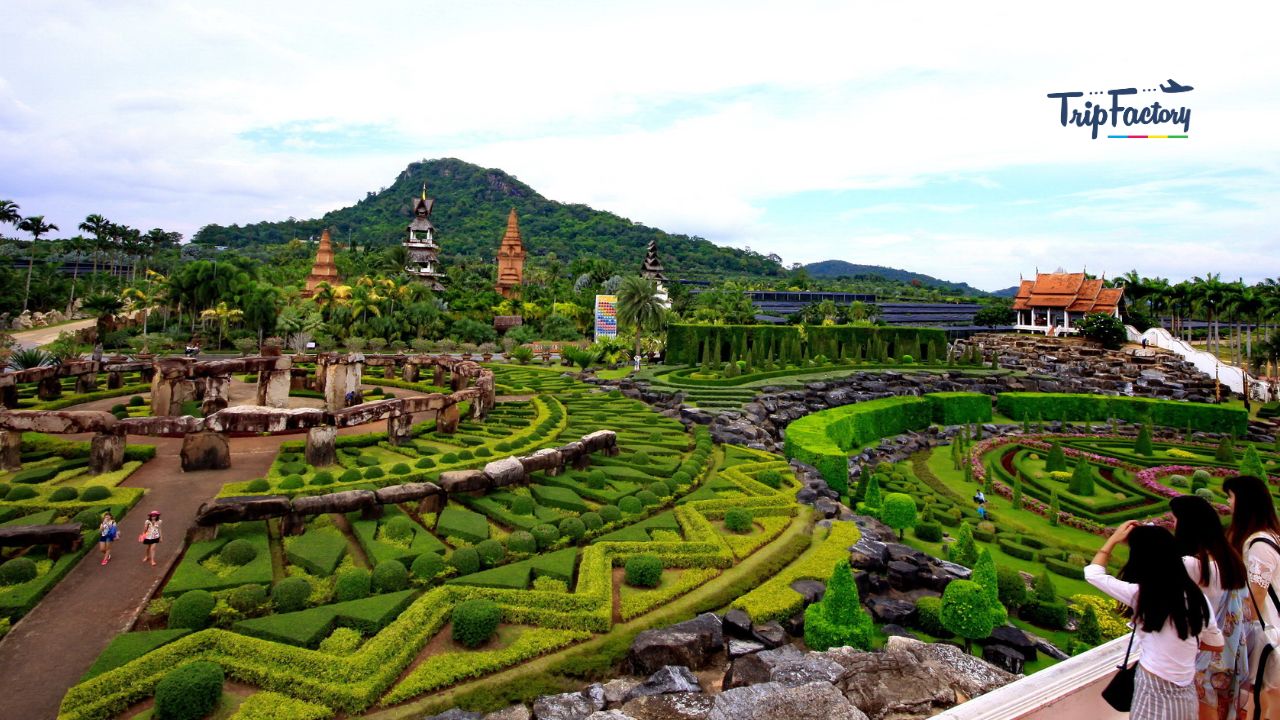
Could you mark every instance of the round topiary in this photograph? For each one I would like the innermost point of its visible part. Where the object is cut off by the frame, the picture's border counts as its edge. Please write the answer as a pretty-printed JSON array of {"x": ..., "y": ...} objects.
[
  {"x": 681, "y": 478},
  {"x": 491, "y": 552},
  {"x": 4, "y": 489},
  {"x": 522, "y": 505},
  {"x": 449, "y": 458},
  {"x": 1179, "y": 481},
  {"x": 659, "y": 489},
  {"x": 592, "y": 520},
  {"x": 400, "y": 528},
  {"x": 290, "y": 594},
  {"x": 484, "y": 452},
  {"x": 258, "y": 485},
  {"x": 401, "y": 469},
  {"x": 238, "y": 552},
  {"x": 352, "y": 584},
  {"x": 119, "y": 410},
  {"x": 630, "y": 505},
  {"x": 466, "y": 560},
  {"x": 929, "y": 531},
  {"x": 390, "y": 576},
  {"x": 136, "y": 401},
  {"x": 465, "y": 455},
  {"x": 95, "y": 493},
  {"x": 643, "y": 571},
  {"x": 1206, "y": 493},
  {"x": 373, "y": 473},
  {"x": 427, "y": 565},
  {"x": 347, "y": 476},
  {"x": 190, "y": 692},
  {"x": 639, "y": 458},
  {"x": 545, "y": 535},
  {"x": 739, "y": 520},
  {"x": 475, "y": 621},
  {"x": 323, "y": 477},
  {"x": 572, "y": 528},
  {"x": 425, "y": 463},
  {"x": 647, "y": 498},
  {"x": 610, "y": 513},
  {"x": 366, "y": 461},
  {"x": 63, "y": 494},
  {"x": 596, "y": 480},
  {"x": 17, "y": 571},
  {"x": 247, "y": 597},
  {"x": 20, "y": 492},
  {"x": 88, "y": 518},
  {"x": 929, "y": 617},
  {"x": 192, "y": 610},
  {"x": 522, "y": 542},
  {"x": 293, "y": 482}
]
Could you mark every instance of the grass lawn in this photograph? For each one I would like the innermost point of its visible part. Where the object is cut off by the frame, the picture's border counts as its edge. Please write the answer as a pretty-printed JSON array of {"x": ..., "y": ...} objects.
[{"x": 606, "y": 374}]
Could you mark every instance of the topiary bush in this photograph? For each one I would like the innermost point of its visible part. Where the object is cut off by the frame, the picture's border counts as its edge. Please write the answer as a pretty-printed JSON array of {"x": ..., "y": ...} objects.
[
  {"x": 929, "y": 616},
  {"x": 390, "y": 576},
  {"x": 449, "y": 458},
  {"x": 929, "y": 531},
  {"x": 373, "y": 473},
  {"x": 258, "y": 485},
  {"x": 425, "y": 463},
  {"x": 466, "y": 560},
  {"x": 522, "y": 542},
  {"x": 136, "y": 401},
  {"x": 610, "y": 513},
  {"x": 639, "y": 458},
  {"x": 190, "y": 692},
  {"x": 20, "y": 492},
  {"x": 63, "y": 494},
  {"x": 192, "y": 610},
  {"x": 290, "y": 594},
  {"x": 1012, "y": 588},
  {"x": 238, "y": 552},
  {"x": 631, "y": 505},
  {"x": 95, "y": 493},
  {"x": 349, "y": 476},
  {"x": 427, "y": 566},
  {"x": 491, "y": 552},
  {"x": 659, "y": 489},
  {"x": 545, "y": 535},
  {"x": 647, "y": 498},
  {"x": 352, "y": 584},
  {"x": 772, "y": 478},
  {"x": 475, "y": 621},
  {"x": 401, "y": 469},
  {"x": 572, "y": 528},
  {"x": 465, "y": 455},
  {"x": 596, "y": 480},
  {"x": 17, "y": 571},
  {"x": 522, "y": 505},
  {"x": 324, "y": 477},
  {"x": 591, "y": 520},
  {"x": 366, "y": 461},
  {"x": 643, "y": 570},
  {"x": 399, "y": 528},
  {"x": 293, "y": 482},
  {"x": 739, "y": 520},
  {"x": 247, "y": 598}
]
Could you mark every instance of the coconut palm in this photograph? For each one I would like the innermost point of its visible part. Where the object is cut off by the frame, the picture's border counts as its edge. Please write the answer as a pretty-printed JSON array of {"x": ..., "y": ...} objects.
[
  {"x": 99, "y": 227},
  {"x": 104, "y": 307},
  {"x": 144, "y": 299},
  {"x": 639, "y": 306},
  {"x": 222, "y": 315},
  {"x": 9, "y": 212},
  {"x": 37, "y": 227}
]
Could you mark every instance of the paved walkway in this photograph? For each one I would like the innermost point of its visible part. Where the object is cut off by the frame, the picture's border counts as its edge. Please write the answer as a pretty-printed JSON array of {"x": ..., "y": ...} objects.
[{"x": 40, "y": 336}]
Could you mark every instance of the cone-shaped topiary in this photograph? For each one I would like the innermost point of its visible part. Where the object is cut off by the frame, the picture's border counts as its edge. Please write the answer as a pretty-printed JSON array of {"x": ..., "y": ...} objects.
[
  {"x": 1252, "y": 464},
  {"x": 1081, "y": 479},
  {"x": 963, "y": 550},
  {"x": 987, "y": 577},
  {"x": 965, "y": 611},
  {"x": 1142, "y": 445},
  {"x": 838, "y": 619},
  {"x": 1226, "y": 452},
  {"x": 1057, "y": 461}
]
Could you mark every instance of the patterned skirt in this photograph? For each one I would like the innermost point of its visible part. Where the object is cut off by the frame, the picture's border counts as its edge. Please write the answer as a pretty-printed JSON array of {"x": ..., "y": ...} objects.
[
  {"x": 1155, "y": 698},
  {"x": 1220, "y": 674}
]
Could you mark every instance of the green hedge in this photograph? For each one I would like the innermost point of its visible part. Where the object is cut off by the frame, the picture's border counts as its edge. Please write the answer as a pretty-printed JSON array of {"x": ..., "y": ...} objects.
[
  {"x": 462, "y": 523},
  {"x": 1169, "y": 413},
  {"x": 306, "y": 628},
  {"x": 960, "y": 408},
  {"x": 825, "y": 438},
  {"x": 130, "y": 646},
  {"x": 318, "y": 550},
  {"x": 191, "y": 575},
  {"x": 688, "y": 344}
]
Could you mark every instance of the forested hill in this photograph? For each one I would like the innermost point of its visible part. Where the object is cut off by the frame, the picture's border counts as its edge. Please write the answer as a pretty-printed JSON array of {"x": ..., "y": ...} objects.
[
  {"x": 832, "y": 269},
  {"x": 471, "y": 213}
]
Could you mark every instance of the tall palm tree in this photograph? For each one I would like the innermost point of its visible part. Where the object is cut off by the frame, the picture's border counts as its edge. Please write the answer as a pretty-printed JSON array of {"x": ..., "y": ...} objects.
[
  {"x": 37, "y": 227},
  {"x": 144, "y": 299},
  {"x": 9, "y": 212},
  {"x": 222, "y": 315},
  {"x": 639, "y": 306},
  {"x": 99, "y": 227},
  {"x": 1210, "y": 295}
]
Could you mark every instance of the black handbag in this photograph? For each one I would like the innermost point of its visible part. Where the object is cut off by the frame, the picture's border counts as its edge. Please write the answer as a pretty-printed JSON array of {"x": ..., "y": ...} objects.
[{"x": 1119, "y": 692}]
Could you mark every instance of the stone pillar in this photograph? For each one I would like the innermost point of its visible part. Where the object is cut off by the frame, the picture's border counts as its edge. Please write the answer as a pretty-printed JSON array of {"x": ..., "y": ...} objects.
[
  {"x": 321, "y": 449},
  {"x": 273, "y": 385},
  {"x": 9, "y": 396},
  {"x": 115, "y": 380},
  {"x": 398, "y": 428},
  {"x": 342, "y": 375},
  {"x": 447, "y": 419},
  {"x": 438, "y": 376},
  {"x": 106, "y": 453},
  {"x": 457, "y": 381},
  {"x": 389, "y": 372},
  {"x": 170, "y": 388},
  {"x": 205, "y": 450},
  {"x": 10, "y": 450},
  {"x": 410, "y": 372},
  {"x": 147, "y": 373},
  {"x": 87, "y": 382},
  {"x": 49, "y": 388},
  {"x": 322, "y": 364},
  {"x": 216, "y": 390}
]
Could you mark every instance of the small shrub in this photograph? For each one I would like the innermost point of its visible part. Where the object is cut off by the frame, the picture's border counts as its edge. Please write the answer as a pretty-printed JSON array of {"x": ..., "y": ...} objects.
[
  {"x": 484, "y": 452},
  {"x": 465, "y": 455},
  {"x": 17, "y": 571},
  {"x": 610, "y": 513},
  {"x": 192, "y": 610},
  {"x": 136, "y": 401},
  {"x": 20, "y": 492},
  {"x": 545, "y": 535},
  {"x": 522, "y": 542},
  {"x": 349, "y": 476},
  {"x": 1206, "y": 493},
  {"x": 739, "y": 520},
  {"x": 293, "y": 482},
  {"x": 929, "y": 616},
  {"x": 290, "y": 594},
  {"x": 647, "y": 498},
  {"x": 427, "y": 565},
  {"x": 425, "y": 463},
  {"x": 1012, "y": 588},
  {"x": 399, "y": 528},
  {"x": 643, "y": 571},
  {"x": 373, "y": 473},
  {"x": 323, "y": 477},
  {"x": 190, "y": 692},
  {"x": 591, "y": 520},
  {"x": 596, "y": 480},
  {"x": 631, "y": 505},
  {"x": 400, "y": 469},
  {"x": 466, "y": 560},
  {"x": 352, "y": 584},
  {"x": 491, "y": 552},
  {"x": 390, "y": 576},
  {"x": 772, "y": 478},
  {"x": 247, "y": 598},
  {"x": 929, "y": 531},
  {"x": 449, "y": 458},
  {"x": 63, "y": 494},
  {"x": 94, "y": 493},
  {"x": 366, "y": 461},
  {"x": 475, "y": 621},
  {"x": 258, "y": 485},
  {"x": 522, "y": 505},
  {"x": 572, "y": 528},
  {"x": 1179, "y": 481},
  {"x": 238, "y": 552}
]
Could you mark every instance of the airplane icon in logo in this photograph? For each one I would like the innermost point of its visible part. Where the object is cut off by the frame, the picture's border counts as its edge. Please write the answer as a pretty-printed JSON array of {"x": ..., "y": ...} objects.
[{"x": 1174, "y": 87}]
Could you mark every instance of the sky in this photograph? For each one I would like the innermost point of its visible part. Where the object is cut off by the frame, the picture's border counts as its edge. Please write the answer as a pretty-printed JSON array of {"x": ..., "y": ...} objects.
[{"x": 913, "y": 135}]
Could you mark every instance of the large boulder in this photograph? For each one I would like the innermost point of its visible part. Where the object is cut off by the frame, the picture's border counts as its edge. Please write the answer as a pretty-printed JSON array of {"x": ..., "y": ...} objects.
[
  {"x": 1004, "y": 657},
  {"x": 691, "y": 643},
  {"x": 774, "y": 701},
  {"x": 668, "y": 679},
  {"x": 675, "y": 706},
  {"x": 1012, "y": 637},
  {"x": 787, "y": 665},
  {"x": 566, "y": 706},
  {"x": 464, "y": 481},
  {"x": 888, "y": 610}
]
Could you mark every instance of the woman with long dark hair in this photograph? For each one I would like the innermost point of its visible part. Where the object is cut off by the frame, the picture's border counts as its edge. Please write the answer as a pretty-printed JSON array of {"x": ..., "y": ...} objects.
[
  {"x": 1216, "y": 567},
  {"x": 1172, "y": 620},
  {"x": 1253, "y": 528}
]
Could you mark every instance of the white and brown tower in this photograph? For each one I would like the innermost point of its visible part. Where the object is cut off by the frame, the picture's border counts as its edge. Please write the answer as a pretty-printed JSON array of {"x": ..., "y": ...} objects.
[{"x": 420, "y": 245}]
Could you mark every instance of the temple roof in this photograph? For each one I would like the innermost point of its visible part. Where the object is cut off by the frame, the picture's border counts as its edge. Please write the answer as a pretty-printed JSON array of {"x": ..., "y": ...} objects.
[
  {"x": 324, "y": 269},
  {"x": 511, "y": 243},
  {"x": 1073, "y": 292},
  {"x": 652, "y": 267}
]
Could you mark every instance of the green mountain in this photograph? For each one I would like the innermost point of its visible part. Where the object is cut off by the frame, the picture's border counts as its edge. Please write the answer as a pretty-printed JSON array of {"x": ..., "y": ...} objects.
[
  {"x": 833, "y": 269},
  {"x": 471, "y": 213}
]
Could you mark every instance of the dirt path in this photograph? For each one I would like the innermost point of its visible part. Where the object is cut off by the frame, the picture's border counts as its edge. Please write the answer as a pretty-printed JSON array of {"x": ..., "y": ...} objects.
[{"x": 41, "y": 336}]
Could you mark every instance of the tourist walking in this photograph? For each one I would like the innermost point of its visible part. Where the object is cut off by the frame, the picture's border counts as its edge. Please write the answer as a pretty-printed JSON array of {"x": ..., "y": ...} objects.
[
  {"x": 150, "y": 537},
  {"x": 107, "y": 533},
  {"x": 1254, "y": 530},
  {"x": 1172, "y": 619},
  {"x": 1217, "y": 568},
  {"x": 981, "y": 499}
]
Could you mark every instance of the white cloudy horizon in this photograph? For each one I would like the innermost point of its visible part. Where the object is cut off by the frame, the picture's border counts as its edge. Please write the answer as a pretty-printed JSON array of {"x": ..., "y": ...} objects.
[{"x": 916, "y": 137}]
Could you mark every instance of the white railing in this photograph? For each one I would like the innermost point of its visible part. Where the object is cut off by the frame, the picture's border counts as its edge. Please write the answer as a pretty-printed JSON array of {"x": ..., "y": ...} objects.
[
  {"x": 1070, "y": 690},
  {"x": 1205, "y": 362}
]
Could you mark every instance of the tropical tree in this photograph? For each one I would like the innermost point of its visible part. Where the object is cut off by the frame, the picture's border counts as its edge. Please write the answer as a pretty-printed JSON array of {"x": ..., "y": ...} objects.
[
  {"x": 37, "y": 227},
  {"x": 9, "y": 212},
  {"x": 104, "y": 307},
  {"x": 639, "y": 307},
  {"x": 222, "y": 315},
  {"x": 143, "y": 299}
]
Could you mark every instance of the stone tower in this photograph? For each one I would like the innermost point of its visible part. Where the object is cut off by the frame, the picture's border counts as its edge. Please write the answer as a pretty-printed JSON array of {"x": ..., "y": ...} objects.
[
  {"x": 323, "y": 271},
  {"x": 652, "y": 269},
  {"x": 420, "y": 245},
  {"x": 511, "y": 256}
]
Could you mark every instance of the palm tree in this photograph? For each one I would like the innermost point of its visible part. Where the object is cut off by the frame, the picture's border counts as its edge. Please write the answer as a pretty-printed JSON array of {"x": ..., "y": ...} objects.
[
  {"x": 37, "y": 227},
  {"x": 639, "y": 306},
  {"x": 223, "y": 315},
  {"x": 104, "y": 307},
  {"x": 98, "y": 227},
  {"x": 9, "y": 212},
  {"x": 143, "y": 299},
  {"x": 1210, "y": 295}
]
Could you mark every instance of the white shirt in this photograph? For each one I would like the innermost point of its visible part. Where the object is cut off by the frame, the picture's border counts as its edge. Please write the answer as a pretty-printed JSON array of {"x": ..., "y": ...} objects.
[
  {"x": 1213, "y": 591},
  {"x": 1163, "y": 653},
  {"x": 1263, "y": 566}
]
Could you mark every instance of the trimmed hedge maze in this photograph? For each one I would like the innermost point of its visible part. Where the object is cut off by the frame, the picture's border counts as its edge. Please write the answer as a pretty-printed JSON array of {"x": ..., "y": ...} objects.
[{"x": 353, "y": 613}]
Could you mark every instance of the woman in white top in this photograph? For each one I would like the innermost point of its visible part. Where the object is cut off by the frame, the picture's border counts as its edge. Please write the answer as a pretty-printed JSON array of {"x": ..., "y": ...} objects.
[
  {"x": 1216, "y": 567},
  {"x": 1172, "y": 619},
  {"x": 1253, "y": 524}
]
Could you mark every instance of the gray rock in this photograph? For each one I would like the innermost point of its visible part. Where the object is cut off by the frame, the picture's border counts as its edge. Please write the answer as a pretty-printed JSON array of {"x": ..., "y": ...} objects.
[
  {"x": 1012, "y": 637},
  {"x": 773, "y": 701},
  {"x": 456, "y": 714},
  {"x": 691, "y": 643},
  {"x": 770, "y": 634},
  {"x": 515, "y": 712},
  {"x": 889, "y": 610},
  {"x": 738, "y": 648},
  {"x": 615, "y": 691},
  {"x": 596, "y": 694},
  {"x": 670, "y": 679},
  {"x": 737, "y": 623},
  {"x": 566, "y": 706},
  {"x": 786, "y": 665},
  {"x": 1004, "y": 657},
  {"x": 676, "y": 706},
  {"x": 609, "y": 715}
]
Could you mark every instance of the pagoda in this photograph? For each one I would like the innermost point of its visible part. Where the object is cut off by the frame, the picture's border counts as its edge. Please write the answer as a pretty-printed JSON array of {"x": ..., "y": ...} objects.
[
  {"x": 511, "y": 256},
  {"x": 1053, "y": 302},
  {"x": 420, "y": 246},
  {"x": 653, "y": 270},
  {"x": 323, "y": 271}
]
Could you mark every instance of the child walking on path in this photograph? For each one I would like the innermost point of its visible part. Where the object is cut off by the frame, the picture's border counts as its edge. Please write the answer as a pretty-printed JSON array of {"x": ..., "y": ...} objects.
[{"x": 107, "y": 533}]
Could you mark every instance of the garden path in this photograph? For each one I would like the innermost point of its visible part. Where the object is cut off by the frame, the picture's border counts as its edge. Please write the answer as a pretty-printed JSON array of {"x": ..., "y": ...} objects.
[{"x": 36, "y": 337}]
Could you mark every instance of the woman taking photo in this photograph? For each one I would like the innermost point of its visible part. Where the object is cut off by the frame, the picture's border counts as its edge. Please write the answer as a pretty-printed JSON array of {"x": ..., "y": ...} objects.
[
  {"x": 1215, "y": 566},
  {"x": 1172, "y": 619},
  {"x": 1253, "y": 524}
]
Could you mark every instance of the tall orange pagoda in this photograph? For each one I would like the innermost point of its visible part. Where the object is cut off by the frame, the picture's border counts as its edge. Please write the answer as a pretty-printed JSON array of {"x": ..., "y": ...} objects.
[
  {"x": 323, "y": 271},
  {"x": 511, "y": 256}
]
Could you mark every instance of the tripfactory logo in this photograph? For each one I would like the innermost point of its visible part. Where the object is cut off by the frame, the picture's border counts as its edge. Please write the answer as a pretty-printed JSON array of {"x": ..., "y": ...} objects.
[{"x": 1121, "y": 111}]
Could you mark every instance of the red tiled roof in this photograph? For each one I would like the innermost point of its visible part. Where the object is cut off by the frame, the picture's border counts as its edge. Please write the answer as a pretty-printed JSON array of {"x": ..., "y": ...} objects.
[{"x": 1070, "y": 291}]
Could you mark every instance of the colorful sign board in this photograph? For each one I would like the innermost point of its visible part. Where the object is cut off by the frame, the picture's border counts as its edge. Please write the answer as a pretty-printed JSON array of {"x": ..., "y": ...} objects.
[{"x": 606, "y": 316}]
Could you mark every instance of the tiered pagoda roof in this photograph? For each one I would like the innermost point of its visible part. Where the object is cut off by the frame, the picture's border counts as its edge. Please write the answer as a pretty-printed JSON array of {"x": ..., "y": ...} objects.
[
  {"x": 652, "y": 267},
  {"x": 1073, "y": 292},
  {"x": 324, "y": 270},
  {"x": 511, "y": 255}
]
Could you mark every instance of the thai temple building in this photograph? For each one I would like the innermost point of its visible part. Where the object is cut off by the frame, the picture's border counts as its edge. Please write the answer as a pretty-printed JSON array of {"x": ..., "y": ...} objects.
[
  {"x": 511, "y": 256},
  {"x": 653, "y": 270},
  {"x": 323, "y": 271},
  {"x": 421, "y": 247},
  {"x": 1050, "y": 303}
]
